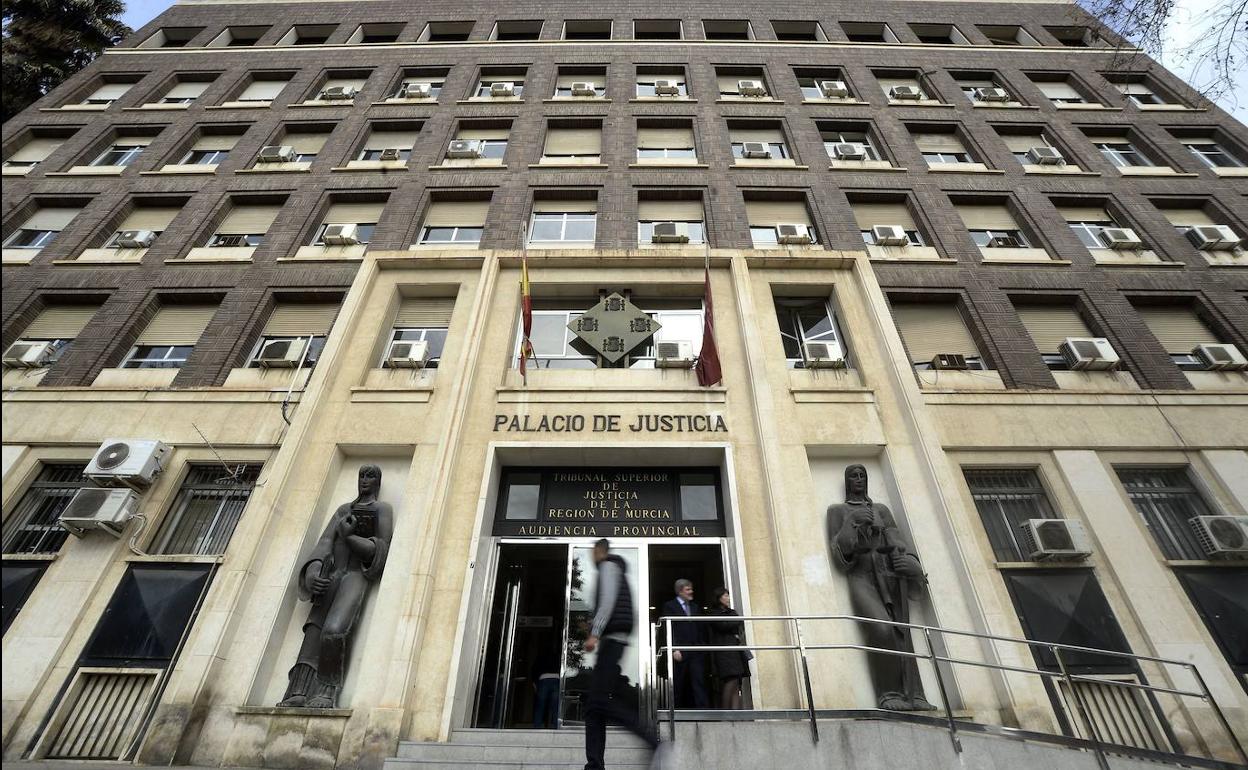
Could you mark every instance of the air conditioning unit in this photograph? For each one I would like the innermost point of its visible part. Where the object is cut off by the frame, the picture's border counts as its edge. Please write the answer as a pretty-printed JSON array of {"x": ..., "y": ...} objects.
[
  {"x": 391, "y": 154},
  {"x": 584, "y": 89},
  {"x": 794, "y": 235},
  {"x": 1055, "y": 540},
  {"x": 503, "y": 89},
  {"x": 667, "y": 87},
  {"x": 991, "y": 95},
  {"x": 28, "y": 355},
  {"x": 670, "y": 232},
  {"x": 673, "y": 354},
  {"x": 755, "y": 150},
  {"x": 850, "y": 151},
  {"x": 890, "y": 235},
  {"x": 408, "y": 354},
  {"x": 127, "y": 461},
  {"x": 1000, "y": 242},
  {"x": 464, "y": 148},
  {"x": 1045, "y": 156},
  {"x": 822, "y": 355},
  {"x": 1225, "y": 358},
  {"x": 415, "y": 91},
  {"x": 1222, "y": 536},
  {"x": 98, "y": 508},
  {"x": 275, "y": 153},
  {"x": 281, "y": 354},
  {"x": 135, "y": 239},
  {"x": 1122, "y": 238},
  {"x": 950, "y": 361},
  {"x": 1213, "y": 238},
  {"x": 336, "y": 93},
  {"x": 905, "y": 92},
  {"x": 1089, "y": 354},
  {"x": 751, "y": 88},
  {"x": 340, "y": 235},
  {"x": 833, "y": 89}
]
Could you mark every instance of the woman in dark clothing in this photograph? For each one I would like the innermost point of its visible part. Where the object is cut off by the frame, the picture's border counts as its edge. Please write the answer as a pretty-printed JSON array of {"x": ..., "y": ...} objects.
[{"x": 729, "y": 666}]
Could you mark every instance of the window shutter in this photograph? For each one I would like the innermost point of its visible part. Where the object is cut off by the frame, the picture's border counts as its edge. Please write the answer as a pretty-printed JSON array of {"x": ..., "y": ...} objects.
[
  {"x": 305, "y": 143},
  {"x": 216, "y": 142},
  {"x": 1023, "y": 143},
  {"x": 939, "y": 143},
  {"x": 772, "y": 213},
  {"x": 773, "y": 135},
  {"x": 190, "y": 90},
  {"x": 149, "y": 218},
  {"x": 573, "y": 141},
  {"x": 568, "y": 206},
  {"x": 50, "y": 219},
  {"x": 889, "y": 84},
  {"x": 664, "y": 138},
  {"x": 1138, "y": 89},
  {"x": 60, "y": 322},
  {"x": 1059, "y": 90},
  {"x": 868, "y": 215},
  {"x": 110, "y": 91},
  {"x": 679, "y": 77},
  {"x": 177, "y": 325},
  {"x": 457, "y": 214},
  {"x": 261, "y": 90},
  {"x": 36, "y": 149},
  {"x": 382, "y": 140},
  {"x": 1177, "y": 328},
  {"x": 566, "y": 81},
  {"x": 131, "y": 139},
  {"x": 1084, "y": 214},
  {"x": 987, "y": 218},
  {"x": 425, "y": 79},
  {"x": 424, "y": 313},
  {"x": 668, "y": 210},
  {"x": 482, "y": 133},
  {"x": 356, "y": 83},
  {"x": 301, "y": 319},
  {"x": 1198, "y": 140},
  {"x": 353, "y": 213},
  {"x": 1050, "y": 325},
  {"x": 248, "y": 220},
  {"x": 1188, "y": 217},
  {"x": 930, "y": 329}
]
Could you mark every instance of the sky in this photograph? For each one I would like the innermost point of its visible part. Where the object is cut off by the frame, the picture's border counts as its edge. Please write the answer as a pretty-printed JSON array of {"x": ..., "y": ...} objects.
[{"x": 1186, "y": 24}]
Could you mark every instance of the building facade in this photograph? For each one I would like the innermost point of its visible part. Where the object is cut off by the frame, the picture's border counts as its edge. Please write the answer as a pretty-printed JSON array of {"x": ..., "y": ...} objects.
[{"x": 976, "y": 248}]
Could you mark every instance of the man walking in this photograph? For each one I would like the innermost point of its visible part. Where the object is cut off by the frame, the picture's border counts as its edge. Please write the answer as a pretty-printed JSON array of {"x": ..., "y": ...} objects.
[
  {"x": 689, "y": 678},
  {"x": 615, "y": 617}
]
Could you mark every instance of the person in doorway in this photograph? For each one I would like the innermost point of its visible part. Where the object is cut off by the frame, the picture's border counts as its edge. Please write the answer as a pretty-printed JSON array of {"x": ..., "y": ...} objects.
[
  {"x": 730, "y": 667},
  {"x": 615, "y": 617},
  {"x": 545, "y": 675},
  {"x": 689, "y": 677}
]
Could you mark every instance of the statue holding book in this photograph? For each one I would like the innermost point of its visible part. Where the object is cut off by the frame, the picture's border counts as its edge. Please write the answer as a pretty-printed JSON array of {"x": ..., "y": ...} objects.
[{"x": 349, "y": 555}]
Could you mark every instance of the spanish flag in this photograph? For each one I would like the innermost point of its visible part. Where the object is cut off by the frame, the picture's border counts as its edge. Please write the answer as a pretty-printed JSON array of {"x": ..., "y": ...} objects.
[
  {"x": 526, "y": 316},
  {"x": 708, "y": 368}
]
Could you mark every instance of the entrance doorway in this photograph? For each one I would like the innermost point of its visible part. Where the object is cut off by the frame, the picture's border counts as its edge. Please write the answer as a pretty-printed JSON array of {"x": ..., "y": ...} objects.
[{"x": 541, "y": 608}]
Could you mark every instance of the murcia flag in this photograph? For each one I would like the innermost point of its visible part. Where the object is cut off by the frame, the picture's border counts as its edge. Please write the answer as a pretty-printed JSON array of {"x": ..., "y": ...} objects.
[
  {"x": 708, "y": 369},
  {"x": 526, "y": 317}
]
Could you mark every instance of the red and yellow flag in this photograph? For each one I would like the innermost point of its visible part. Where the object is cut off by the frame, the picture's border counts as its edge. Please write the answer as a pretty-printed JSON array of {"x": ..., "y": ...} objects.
[{"x": 526, "y": 316}]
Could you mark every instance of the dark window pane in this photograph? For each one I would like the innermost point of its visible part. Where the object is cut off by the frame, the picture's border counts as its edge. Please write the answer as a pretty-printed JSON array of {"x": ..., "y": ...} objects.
[
  {"x": 1167, "y": 500},
  {"x": 699, "y": 497},
  {"x": 1006, "y": 498},
  {"x": 147, "y": 615},
  {"x": 19, "y": 580},
  {"x": 208, "y": 507},
  {"x": 1221, "y": 597},
  {"x": 33, "y": 525},
  {"x": 1068, "y": 607}
]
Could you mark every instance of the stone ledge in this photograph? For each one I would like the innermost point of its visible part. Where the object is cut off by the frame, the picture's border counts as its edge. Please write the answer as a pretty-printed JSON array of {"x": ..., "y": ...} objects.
[{"x": 286, "y": 711}]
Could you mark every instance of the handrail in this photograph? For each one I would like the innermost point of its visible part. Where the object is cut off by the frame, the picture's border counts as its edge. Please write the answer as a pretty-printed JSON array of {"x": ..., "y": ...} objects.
[{"x": 930, "y": 634}]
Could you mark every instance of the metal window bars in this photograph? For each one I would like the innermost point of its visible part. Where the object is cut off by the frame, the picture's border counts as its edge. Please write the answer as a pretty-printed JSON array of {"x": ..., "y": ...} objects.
[
  {"x": 206, "y": 511},
  {"x": 34, "y": 526},
  {"x": 1072, "y": 688}
]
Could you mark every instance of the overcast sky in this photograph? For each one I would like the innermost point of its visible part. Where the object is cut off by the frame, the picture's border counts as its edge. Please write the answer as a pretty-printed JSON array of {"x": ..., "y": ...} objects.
[{"x": 1186, "y": 24}]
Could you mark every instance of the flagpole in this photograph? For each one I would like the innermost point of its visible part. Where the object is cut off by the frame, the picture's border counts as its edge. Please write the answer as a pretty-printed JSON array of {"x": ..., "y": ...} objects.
[{"x": 526, "y": 305}]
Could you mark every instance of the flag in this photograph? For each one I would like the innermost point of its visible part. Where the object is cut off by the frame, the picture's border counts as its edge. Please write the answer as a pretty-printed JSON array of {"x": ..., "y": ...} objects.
[
  {"x": 708, "y": 369},
  {"x": 526, "y": 316}
]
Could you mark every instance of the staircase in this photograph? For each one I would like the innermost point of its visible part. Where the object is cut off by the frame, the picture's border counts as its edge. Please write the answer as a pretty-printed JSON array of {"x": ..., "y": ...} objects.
[{"x": 515, "y": 749}]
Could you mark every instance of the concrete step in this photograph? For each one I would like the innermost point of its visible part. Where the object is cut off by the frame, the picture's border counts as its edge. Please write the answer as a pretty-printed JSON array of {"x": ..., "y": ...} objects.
[
  {"x": 421, "y": 764},
  {"x": 463, "y": 752},
  {"x": 518, "y": 750},
  {"x": 567, "y": 736}
]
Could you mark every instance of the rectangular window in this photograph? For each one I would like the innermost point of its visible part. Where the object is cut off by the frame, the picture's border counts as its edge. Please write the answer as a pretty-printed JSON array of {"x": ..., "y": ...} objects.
[
  {"x": 1068, "y": 607},
  {"x": 306, "y": 144},
  {"x": 669, "y": 84},
  {"x": 500, "y": 85},
  {"x": 686, "y": 213},
  {"x": 727, "y": 29},
  {"x": 206, "y": 511},
  {"x": 1209, "y": 152},
  {"x": 153, "y": 219},
  {"x": 262, "y": 91},
  {"x": 587, "y": 29},
  {"x": 33, "y": 526},
  {"x": 1167, "y": 500},
  {"x": 422, "y": 319},
  {"x": 1221, "y": 600},
  {"x": 1060, "y": 92},
  {"x": 298, "y": 323},
  {"x": 33, "y": 152},
  {"x": 768, "y": 218},
  {"x": 385, "y": 137},
  {"x": 454, "y": 223},
  {"x": 1021, "y": 145},
  {"x": 805, "y": 320},
  {"x": 1006, "y": 499},
  {"x": 992, "y": 226},
  {"x": 107, "y": 93},
  {"x": 1179, "y": 330},
  {"x": 579, "y": 83},
  {"x": 210, "y": 150},
  {"x": 1122, "y": 153},
  {"x": 363, "y": 216},
  {"x": 860, "y": 137},
  {"x": 665, "y": 143},
  {"x": 168, "y": 339},
  {"x": 20, "y": 579},
  {"x": 59, "y": 325},
  {"x": 868, "y": 32},
  {"x": 1139, "y": 94},
  {"x": 124, "y": 151},
  {"x": 763, "y": 144},
  {"x": 942, "y": 147},
  {"x": 245, "y": 225},
  {"x": 870, "y": 214},
  {"x": 572, "y": 222},
  {"x": 185, "y": 92},
  {"x": 573, "y": 143},
  {"x": 147, "y": 615},
  {"x": 931, "y": 329},
  {"x": 1050, "y": 326},
  {"x": 41, "y": 228}
]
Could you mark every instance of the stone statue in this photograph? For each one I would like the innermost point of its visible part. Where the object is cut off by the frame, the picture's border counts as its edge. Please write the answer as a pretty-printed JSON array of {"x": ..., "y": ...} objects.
[
  {"x": 883, "y": 576},
  {"x": 350, "y": 554}
]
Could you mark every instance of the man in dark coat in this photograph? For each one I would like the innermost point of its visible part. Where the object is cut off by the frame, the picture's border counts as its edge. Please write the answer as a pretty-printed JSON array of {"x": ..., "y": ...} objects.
[{"x": 689, "y": 678}]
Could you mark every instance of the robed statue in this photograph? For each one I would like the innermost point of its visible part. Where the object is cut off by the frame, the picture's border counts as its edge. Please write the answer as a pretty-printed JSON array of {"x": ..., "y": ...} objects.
[
  {"x": 335, "y": 577},
  {"x": 884, "y": 575}
]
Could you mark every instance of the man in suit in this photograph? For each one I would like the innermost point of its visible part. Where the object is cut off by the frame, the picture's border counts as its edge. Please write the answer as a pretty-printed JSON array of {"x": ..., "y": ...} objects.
[{"x": 689, "y": 678}]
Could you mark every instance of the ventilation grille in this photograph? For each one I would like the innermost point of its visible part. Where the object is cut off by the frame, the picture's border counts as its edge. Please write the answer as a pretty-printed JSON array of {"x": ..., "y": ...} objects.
[
  {"x": 1120, "y": 715},
  {"x": 101, "y": 714}
]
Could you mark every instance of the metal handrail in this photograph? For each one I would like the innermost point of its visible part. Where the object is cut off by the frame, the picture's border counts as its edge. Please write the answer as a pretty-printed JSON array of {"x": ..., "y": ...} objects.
[{"x": 801, "y": 647}]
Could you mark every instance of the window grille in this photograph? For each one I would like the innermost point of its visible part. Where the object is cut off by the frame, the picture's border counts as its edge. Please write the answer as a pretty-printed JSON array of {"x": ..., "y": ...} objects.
[
  {"x": 33, "y": 527},
  {"x": 208, "y": 507},
  {"x": 1166, "y": 498},
  {"x": 1006, "y": 498}
]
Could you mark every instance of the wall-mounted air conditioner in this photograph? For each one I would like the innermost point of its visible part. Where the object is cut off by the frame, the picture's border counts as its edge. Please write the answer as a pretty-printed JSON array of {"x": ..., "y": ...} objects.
[
  {"x": 833, "y": 89},
  {"x": 281, "y": 354},
  {"x": 850, "y": 151},
  {"x": 415, "y": 91},
  {"x": 794, "y": 235},
  {"x": 1213, "y": 238},
  {"x": 908, "y": 93},
  {"x": 98, "y": 508},
  {"x": 464, "y": 148},
  {"x": 670, "y": 232},
  {"x": 584, "y": 88},
  {"x": 338, "y": 93},
  {"x": 28, "y": 355},
  {"x": 275, "y": 153},
  {"x": 890, "y": 235},
  {"x": 502, "y": 89},
  {"x": 341, "y": 235},
  {"x": 135, "y": 239},
  {"x": 751, "y": 88},
  {"x": 408, "y": 354},
  {"x": 822, "y": 355},
  {"x": 1222, "y": 537},
  {"x": 755, "y": 150},
  {"x": 1122, "y": 238},
  {"x": 950, "y": 361},
  {"x": 1225, "y": 357},
  {"x": 667, "y": 87},
  {"x": 391, "y": 154},
  {"x": 673, "y": 354},
  {"x": 991, "y": 95},
  {"x": 127, "y": 461},
  {"x": 1045, "y": 156},
  {"x": 1055, "y": 540},
  {"x": 1089, "y": 354}
]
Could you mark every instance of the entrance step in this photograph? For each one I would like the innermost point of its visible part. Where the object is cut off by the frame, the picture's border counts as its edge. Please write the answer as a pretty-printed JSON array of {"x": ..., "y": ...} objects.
[{"x": 518, "y": 749}]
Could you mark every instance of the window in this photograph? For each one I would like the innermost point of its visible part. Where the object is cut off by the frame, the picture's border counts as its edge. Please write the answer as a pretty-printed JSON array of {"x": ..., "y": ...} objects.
[
  {"x": 902, "y": 86},
  {"x": 147, "y": 616},
  {"x": 107, "y": 93},
  {"x": 304, "y": 325},
  {"x": 570, "y": 142},
  {"x": 760, "y": 140},
  {"x": 491, "y": 139},
  {"x": 556, "y": 346},
  {"x": 422, "y": 318},
  {"x": 941, "y": 147},
  {"x": 1049, "y": 325},
  {"x": 168, "y": 339},
  {"x": 395, "y": 137},
  {"x": 587, "y": 29},
  {"x": 1185, "y": 217},
  {"x": 1122, "y": 153},
  {"x": 244, "y": 225},
  {"x": 1021, "y": 144},
  {"x": 869, "y": 214},
  {"x": 811, "y": 81},
  {"x": 571, "y": 82},
  {"x": 1088, "y": 223},
  {"x": 171, "y": 37},
  {"x": 517, "y": 30},
  {"x": 33, "y": 526},
  {"x": 931, "y": 329},
  {"x": 685, "y": 212},
  {"x": 1060, "y": 92},
  {"x": 446, "y": 32},
  {"x": 1075, "y": 37},
  {"x": 1221, "y": 599},
  {"x": 799, "y": 31},
  {"x": 307, "y": 34},
  {"x": 1179, "y": 329},
  {"x": 363, "y": 215},
  {"x": 262, "y": 90},
  {"x": 768, "y": 218},
  {"x": 238, "y": 37},
  {"x": 858, "y": 135},
  {"x": 656, "y": 83},
  {"x": 803, "y": 320},
  {"x": 1138, "y": 93},
  {"x": 348, "y": 83},
  {"x": 208, "y": 507},
  {"x": 20, "y": 579},
  {"x": 40, "y": 228},
  {"x": 1006, "y": 498},
  {"x": 657, "y": 29},
  {"x": 563, "y": 222},
  {"x": 981, "y": 88},
  {"x": 185, "y": 92},
  {"x": 1167, "y": 500},
  {"x": 153, "y": 219},
  {"x": 454, "y": 223},
  {"x": 59, "y": 325},
  {"x": 727, "y": 29},
  {"x": 1068, "y": 607},
  {"x": 372, "y": 34},
  {"x": 661, "y": 142},
  {"x": 123, "y": 151},
  {"x": 939, "y": 34},
  {"x": 868, "y": 32},
  {"x": 209, "y": 150},
  {"x": 1006, "y": 34},
  {"x": 1000, "y": 239},
  {"x": 305, "y": 140},
  {"x": 1210, "y": 152},
  {"x": 420, "y": 85},
  {"x": 992, "y": 226},
  {"x": 509, "y": 83},
  {"x": 36, "y": 149},
  {"x": 741, "y": 83}
]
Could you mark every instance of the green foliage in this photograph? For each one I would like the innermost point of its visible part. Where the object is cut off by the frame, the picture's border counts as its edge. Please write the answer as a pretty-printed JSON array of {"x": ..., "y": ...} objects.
[{"x": 45, "y": 42}]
